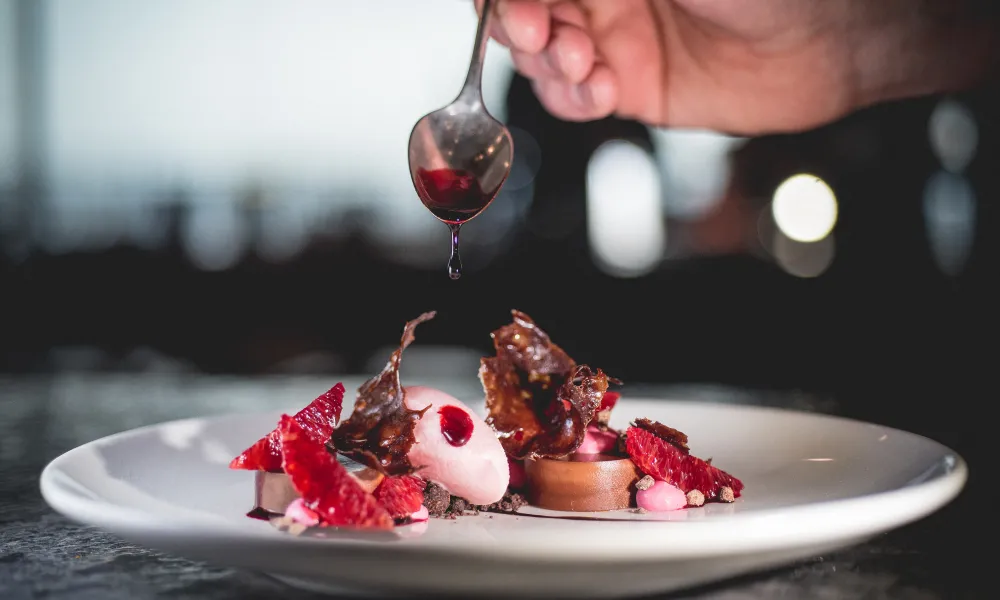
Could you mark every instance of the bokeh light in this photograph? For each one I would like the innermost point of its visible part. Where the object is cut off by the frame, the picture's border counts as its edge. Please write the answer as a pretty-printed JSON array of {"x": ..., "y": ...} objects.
[
  {"x": 803, "y": 259},
  {"x": 624, "y": 215},
  {"x": 949, "y": 215},
  {"x": 805, "y": 208},
  {"x": 954, "y": 135},
  {"x": 527, "y": 160},
  {"x": 696, "y": 169}
]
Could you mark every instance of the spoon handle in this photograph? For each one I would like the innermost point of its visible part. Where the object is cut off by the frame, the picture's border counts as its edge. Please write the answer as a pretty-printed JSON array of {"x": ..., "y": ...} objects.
[{"x": 474, "y": 80}]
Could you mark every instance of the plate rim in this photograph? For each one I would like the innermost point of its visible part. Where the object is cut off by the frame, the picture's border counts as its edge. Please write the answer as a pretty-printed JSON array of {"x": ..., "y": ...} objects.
[{"x": 920, "y": 499}]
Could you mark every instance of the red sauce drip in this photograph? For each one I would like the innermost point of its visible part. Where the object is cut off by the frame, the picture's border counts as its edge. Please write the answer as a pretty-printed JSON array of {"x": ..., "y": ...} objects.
[
  {"x": 456, "y": 425},
  {"x": 452, "y": 195}
]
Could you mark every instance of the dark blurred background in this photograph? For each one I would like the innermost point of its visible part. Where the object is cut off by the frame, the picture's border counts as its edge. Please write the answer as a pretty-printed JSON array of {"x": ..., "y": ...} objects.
[{"x": 221, "y": 187}]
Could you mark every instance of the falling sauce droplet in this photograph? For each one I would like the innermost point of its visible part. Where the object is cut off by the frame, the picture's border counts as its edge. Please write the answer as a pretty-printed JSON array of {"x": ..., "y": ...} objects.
[{"x": 455, "y": 262}]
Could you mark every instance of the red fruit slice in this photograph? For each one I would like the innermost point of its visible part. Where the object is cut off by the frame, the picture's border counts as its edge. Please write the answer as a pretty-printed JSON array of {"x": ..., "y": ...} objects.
[
  {"x": 664, "y": 461},
  {"x": 324, "y": 484},
  {"x": 401, "y": 496},
  {"x": 667, "y": 434},
  {"x": 317, "y": 420},
  {"x": 609, "y": 401}
]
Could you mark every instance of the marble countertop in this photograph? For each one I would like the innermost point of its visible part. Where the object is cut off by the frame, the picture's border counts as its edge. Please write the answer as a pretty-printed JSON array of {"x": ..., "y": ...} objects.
[{"x": 42, "y": 554}]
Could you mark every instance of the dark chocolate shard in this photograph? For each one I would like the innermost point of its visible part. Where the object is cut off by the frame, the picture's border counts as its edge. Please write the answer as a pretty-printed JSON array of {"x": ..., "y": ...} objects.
[
  {"x": 667, "y": 434},
  {"x": 379, "y": 432},
  {"x": 529, "y": 349},
  {"x": 539, "y": 401}
]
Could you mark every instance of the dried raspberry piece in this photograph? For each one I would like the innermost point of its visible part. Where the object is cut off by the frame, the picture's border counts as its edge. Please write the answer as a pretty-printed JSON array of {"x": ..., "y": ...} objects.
[
  {"x": 324, "y": 484},
  {"x": 666, "y": 462},
  {"x": 317, "y": 419},
  {"x": 401, "y": 496}
]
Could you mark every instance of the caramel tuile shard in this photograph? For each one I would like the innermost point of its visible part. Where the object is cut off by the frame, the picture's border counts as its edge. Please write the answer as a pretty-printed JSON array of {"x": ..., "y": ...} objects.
[
  {"x": 379, "y": 432},
  {"x": 538, "y": 399}
]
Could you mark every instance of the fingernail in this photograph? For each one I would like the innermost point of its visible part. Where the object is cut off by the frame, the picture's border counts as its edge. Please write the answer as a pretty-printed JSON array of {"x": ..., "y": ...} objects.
[{"x": 581, "y": 95}]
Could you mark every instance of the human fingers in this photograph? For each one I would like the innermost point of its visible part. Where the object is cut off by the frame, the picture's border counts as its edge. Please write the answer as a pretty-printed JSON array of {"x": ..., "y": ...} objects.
[
  {"x": 570, "y": 56},
  {"x": 495, "y": 30},
  {"x": 546, "y": 37},
  {"x": 521, "y": 25},
  {"x": 550, "y": 45},
  {"x": 593, "y": 98}
]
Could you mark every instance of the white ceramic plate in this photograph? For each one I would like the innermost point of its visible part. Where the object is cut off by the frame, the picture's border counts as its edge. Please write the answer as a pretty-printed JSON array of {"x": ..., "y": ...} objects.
[{"x": 813, "y": 483}]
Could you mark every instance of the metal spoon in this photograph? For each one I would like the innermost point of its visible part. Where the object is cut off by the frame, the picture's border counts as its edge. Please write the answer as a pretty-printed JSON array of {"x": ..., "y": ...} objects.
[{"x": 460, "y": 155}]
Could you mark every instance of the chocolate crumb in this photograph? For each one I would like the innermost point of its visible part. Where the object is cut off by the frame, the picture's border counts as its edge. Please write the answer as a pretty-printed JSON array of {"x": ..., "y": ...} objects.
[
  {"x": 458, "y": 506},
  {"x": 640, "y": 511},
  {"x": 437, "y": 500},
  {"x": 695, "y": 498},
  {"x": 510, "y": 503},
  {"x": 440, "y": 503},
  {"x": 726, "y": 494},
  {"x": 623, "y": 443},
  {"x": 645, "y": 483}
]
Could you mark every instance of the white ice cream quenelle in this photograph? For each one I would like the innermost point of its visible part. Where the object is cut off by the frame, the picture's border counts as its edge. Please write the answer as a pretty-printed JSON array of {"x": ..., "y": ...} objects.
[{"x": 476, "y": 471}]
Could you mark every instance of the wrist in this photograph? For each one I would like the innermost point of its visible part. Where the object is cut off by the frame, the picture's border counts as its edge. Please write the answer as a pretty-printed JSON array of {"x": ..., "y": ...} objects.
[{"x": 946, "y": 47}]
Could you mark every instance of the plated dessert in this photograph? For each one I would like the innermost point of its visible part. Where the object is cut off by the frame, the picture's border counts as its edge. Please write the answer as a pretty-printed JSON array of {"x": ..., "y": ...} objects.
[{"x": 407, "y": 454}]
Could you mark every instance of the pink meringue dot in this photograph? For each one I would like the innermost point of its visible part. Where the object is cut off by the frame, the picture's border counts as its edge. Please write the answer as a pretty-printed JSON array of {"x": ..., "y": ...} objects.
[
  {"x": 661, "y": 497},
  {"x": 421, "y": 515},
  {"x": 300, "y": 513}
]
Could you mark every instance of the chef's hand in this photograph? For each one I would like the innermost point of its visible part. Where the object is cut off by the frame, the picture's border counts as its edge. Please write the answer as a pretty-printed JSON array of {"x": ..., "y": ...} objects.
[{"x": 742, "y": 66}]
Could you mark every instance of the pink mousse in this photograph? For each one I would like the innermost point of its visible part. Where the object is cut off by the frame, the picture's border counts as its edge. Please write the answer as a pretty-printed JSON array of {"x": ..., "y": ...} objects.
[
  {"x": 476, "y": 470},
  {"x": 597, "y": 441},
  {"x": 660, "y": 497}
]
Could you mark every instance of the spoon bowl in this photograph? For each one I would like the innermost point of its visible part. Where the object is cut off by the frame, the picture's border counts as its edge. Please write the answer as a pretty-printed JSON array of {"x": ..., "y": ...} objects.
[{"x": 460, "y": 155}]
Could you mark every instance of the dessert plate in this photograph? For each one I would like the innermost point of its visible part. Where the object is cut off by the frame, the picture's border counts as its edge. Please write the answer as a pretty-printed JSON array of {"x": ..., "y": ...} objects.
[{"x": 814, "y": 483}]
